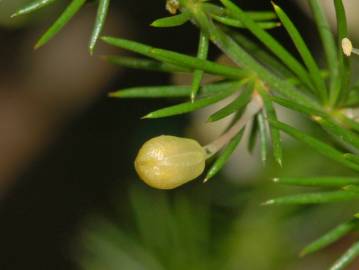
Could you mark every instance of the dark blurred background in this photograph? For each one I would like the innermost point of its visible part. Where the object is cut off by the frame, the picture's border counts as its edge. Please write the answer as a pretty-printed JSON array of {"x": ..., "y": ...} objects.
[{"x": 67, "y": 150}]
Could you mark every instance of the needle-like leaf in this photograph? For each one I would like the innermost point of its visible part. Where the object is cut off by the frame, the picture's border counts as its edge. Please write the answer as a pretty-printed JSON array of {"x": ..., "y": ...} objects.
[
  {"x": 99, "y": 23},
  {"x": 303, "y": 50},
  {"x": 34, "y": 6},
  {"x": 237, "y": 23},
  {"x": 69, "y": 12},
  {"x": 178, "y": 59},
  {"x": 198, "y": 73},
  {"x": 261, "y": 15},
  {"x": 172, "y": 21},
  {"x": 234, "y": 51},
  {"x": 236, "y": 105},
  {"x": 263, "y": 136},
  {"x": 224, "y": 156},
  {"x": 339, "y": 132},
  {"x": 261, "y": 55},
  {"x": 168, "y": 91},
  {"x": 314, "y": 198},
  {"x": 347, "y": 257},
  {"x": 330, "y": 237},
  {"x": 325, "y": 181},
  {"x": 316, "y": 144},
  {"x": 171, "y": 90},
  {"x": 191, "y": 106},
  {"x": 306, "y": 109},
  {"x": 145, "y": 64},
  {"x": 253, "y": 135},
  {"x": 275, "y": 134},
  {"x": 326, "y": 36},
  {"x": 269, "y": 42},
  {"x": 255, "y": 15}
]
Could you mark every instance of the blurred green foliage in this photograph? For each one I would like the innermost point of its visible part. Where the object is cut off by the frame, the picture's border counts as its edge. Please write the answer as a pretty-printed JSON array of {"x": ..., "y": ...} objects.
[
  {"x": 219, "y": 225},
  {"x": 207, "y": 228}
]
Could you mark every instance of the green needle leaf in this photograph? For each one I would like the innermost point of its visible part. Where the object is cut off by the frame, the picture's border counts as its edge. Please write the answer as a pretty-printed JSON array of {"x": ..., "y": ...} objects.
[
  {"x": 171, "y": 90},
  {"x": 225, "y": 155},
  {"x": 34, "y": 6},
  {"x": 327, "y": 39},
  {"x": 168, "y": 91},
  {"x": 343, "y": 134},
  {"x": 304, "y": 52},
  {"x": 255, "y": 15},
  {"x": 236, "y": 23},
  {"x": 192, "y": 106},
  {"x": 263, "y": 135},
  {"x": 253, "y": 134},
  {"x": 275, "y": 134},
  {"x": 214, "y": 9},
  {"x": 261, "y": 15},
  {"x": 269, "y": 42},
  {"x": 239, "y": 103},
  {"x": 352, "y": 157},
  {"x": 208, "y": 66},
  {"x": 69, "y": 12},
  {"x": 172, "y": 21},
  {"x": 202, "y": 54},
  {"x": 99, "y": 23},
  {"x": 306, "y": 109},
  {"x": 178, "y": 59},
  {"x": 260, "y": 54},
  {"x": 316, "y": 144},
  {"x": 314, "y": 198},
  {"x": 330, "y": 237},
  {"x": 326, "y": 181},
  {"x": 347, "y": 257},
  {"x": 145, "y": 64},
  {"x": 234, "y": 51}
]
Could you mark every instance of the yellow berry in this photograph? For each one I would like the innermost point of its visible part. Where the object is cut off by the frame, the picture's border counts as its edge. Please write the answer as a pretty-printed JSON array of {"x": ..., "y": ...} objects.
[{"x": 166, "y": 162}]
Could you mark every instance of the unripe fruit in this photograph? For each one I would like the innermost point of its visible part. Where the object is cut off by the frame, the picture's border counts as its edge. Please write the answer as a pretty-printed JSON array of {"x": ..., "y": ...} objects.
[{"x": 166, "y": 162}]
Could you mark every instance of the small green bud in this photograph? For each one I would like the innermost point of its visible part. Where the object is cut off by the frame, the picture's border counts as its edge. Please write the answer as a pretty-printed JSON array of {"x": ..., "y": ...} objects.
[{"x": 166, "y": 162}]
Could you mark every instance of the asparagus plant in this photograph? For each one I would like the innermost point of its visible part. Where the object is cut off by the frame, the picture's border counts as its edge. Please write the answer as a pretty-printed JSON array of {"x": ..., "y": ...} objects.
[{"x": 266, "y": 75}]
